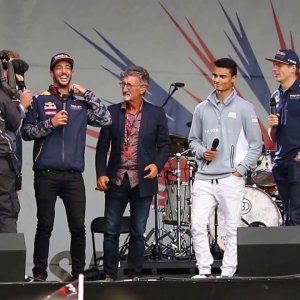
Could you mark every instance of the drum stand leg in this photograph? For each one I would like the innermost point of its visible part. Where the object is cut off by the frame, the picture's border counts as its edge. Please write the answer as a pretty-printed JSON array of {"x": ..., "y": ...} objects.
[
  {"x": 155, "y": 250},
  {"x": 215, "y": 248},
  {"x": 182, "y": 246}
]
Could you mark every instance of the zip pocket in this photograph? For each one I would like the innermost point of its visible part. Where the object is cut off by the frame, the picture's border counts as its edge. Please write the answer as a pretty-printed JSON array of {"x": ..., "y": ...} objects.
[{"x": 39, "y": 152}]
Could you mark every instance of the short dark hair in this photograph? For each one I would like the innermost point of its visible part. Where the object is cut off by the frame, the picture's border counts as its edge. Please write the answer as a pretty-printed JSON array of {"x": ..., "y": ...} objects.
[
  {"x": 227, "y": 63},
  {"x": 137, "y": 71}
]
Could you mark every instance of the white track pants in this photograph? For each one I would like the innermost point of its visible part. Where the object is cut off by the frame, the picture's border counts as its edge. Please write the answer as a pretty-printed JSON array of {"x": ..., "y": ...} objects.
[{"x": 228, "y": 193}]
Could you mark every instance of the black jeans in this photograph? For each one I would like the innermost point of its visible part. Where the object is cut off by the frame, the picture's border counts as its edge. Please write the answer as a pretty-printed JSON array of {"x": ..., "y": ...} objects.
[
  {"x": 69, "y": 186},
  {"x": 287, "y": 178},
  {"x": 116, "y": 200}
]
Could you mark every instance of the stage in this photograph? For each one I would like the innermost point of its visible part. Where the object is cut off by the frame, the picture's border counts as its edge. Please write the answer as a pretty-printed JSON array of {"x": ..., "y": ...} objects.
[
  {"x": 161, "y": 280},
  {"x": 164, "y": 288}
]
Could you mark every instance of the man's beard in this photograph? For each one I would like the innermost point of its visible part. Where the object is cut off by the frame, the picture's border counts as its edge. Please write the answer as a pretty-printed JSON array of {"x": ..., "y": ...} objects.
[{"x": 126, "y": 98}]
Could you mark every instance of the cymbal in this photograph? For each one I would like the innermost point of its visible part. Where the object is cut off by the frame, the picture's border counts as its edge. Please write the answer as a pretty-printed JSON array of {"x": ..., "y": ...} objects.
[{"x": 178, "y": 143}]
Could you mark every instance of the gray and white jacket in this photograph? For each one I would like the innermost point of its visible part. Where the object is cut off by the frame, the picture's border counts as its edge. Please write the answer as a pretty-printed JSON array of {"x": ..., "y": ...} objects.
[{"x": 234, "y": 122}]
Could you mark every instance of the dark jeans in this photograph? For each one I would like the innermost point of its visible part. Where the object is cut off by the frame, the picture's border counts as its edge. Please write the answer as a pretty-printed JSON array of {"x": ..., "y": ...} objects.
[
  {"x": 9, "y": 202},
  {"x": 116, "y": 200},
  {"x": 69, "y": 186},
  {"x": 287, "y": 178}
]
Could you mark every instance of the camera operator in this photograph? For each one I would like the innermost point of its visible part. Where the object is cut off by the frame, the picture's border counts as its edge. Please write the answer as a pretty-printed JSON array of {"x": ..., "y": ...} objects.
[
  {"x": 13, "y": 104},
  {"x": 24, "y": 97}
]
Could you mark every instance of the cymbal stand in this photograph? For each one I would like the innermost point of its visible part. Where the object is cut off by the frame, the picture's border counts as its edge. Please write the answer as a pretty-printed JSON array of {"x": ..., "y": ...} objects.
[
  {"x": 192, "y": 165},
  {"x": 181, "y": 243},
  {"x": 178, "y": 200}
]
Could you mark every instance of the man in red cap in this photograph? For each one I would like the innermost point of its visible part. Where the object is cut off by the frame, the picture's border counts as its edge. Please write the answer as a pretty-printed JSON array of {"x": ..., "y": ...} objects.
[{"x": 57, "y": 123}]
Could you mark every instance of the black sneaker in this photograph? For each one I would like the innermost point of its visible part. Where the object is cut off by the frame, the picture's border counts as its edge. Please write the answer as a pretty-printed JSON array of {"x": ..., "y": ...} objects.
[
  {"x": 108, "y": 278},
  {"x": 135, "y": 278}
]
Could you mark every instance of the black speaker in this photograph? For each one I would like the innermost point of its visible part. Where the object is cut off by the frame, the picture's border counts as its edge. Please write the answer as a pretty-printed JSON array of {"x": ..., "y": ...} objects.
[
  {"x": 12, "y": 257},
  {"x": 268, "y": 251}
]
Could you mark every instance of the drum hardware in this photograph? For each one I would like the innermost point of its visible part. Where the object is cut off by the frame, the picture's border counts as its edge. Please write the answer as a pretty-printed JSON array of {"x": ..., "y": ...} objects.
[
  {"x": 156, "y": 249},
  {"x": 253, "y": 224},
  {"x": 178, "y": 198},
  {"x": 245, "y": 222},
  {"x": 262, "y": 174},
  {"x": 177, "y": 212},
  {"x": 177, "y": 241}
]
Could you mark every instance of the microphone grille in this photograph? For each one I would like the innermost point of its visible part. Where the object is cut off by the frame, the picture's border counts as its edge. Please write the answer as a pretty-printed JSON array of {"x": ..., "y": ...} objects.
[{"x": 273, "y": 101}]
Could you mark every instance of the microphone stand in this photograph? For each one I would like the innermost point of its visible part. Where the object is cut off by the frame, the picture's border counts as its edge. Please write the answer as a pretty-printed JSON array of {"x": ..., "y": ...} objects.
[{"x": 175, "y": 88}]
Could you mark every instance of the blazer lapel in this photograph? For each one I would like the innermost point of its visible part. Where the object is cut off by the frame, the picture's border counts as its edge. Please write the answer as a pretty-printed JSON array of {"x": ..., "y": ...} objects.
[
  {"x": 121, "y": 126},
  {"x": 144, "y": 122}
]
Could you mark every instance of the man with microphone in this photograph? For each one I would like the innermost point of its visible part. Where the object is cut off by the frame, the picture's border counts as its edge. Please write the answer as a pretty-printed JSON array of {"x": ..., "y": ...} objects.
[
  {"x": 284, "y": 130},
  {"x": 225, "y": 138},
  {"x": 57, "y": 123}
]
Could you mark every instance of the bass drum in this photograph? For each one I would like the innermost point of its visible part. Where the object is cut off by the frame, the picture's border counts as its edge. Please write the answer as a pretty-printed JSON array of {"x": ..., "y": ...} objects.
[{"x": 257, "y": 210}]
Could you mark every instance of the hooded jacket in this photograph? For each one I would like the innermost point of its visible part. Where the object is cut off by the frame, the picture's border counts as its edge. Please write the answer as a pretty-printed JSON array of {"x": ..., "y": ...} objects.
[{"x": 235, "y": 124}]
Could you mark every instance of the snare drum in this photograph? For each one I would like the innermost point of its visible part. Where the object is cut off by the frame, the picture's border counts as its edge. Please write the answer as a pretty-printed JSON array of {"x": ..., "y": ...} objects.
[
  {"x": 257, "y": 209},
  {"x": 170, "y": 215},
  {"x": 262, "y": 175}
]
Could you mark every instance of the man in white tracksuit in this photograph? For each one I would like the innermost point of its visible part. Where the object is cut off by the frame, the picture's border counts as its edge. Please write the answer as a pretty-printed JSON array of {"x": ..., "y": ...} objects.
[{"x": 221, "y": 124}]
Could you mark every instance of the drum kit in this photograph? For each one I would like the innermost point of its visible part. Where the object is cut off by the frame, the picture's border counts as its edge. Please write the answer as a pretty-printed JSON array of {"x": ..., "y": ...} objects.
[{"x": 261, "y": 206}]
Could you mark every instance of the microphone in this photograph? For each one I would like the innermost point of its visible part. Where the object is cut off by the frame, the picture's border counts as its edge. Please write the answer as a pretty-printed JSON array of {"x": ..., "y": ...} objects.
[
  {"x": 273, "y": 106},
  {"x": 64, "y": 98},
  {"x": 214, "y": 147},
  {"x": 178, "y": 84}
]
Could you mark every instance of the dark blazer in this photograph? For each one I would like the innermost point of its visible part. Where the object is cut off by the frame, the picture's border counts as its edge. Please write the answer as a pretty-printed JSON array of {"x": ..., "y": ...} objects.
[{"x": 153, "y": 146}]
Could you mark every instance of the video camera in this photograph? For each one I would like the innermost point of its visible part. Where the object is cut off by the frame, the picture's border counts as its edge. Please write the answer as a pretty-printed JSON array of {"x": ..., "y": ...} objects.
[{"x": 8, "y": 70}]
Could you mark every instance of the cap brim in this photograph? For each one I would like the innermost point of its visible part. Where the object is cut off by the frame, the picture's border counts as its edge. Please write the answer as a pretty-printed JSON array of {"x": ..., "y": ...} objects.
[{"x": 277, "y": 60}]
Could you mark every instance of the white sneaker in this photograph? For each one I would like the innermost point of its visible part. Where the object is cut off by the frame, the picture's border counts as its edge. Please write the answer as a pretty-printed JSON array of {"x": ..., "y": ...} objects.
[{"x": 202, "y": 276}]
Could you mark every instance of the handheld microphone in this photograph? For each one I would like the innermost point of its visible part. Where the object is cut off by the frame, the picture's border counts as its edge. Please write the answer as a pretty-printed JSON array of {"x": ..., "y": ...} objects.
[
  {"x": 178, "y": 84},
  {"x": 273, "y": 106},
  {"x": 214, "y": 147},
  {"x": 64, "y": 98}
]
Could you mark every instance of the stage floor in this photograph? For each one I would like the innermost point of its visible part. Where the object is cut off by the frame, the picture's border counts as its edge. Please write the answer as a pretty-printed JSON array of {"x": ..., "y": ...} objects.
[
  {"x": 162, "y": 280},
  {"x": 158, "y": 288}
]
